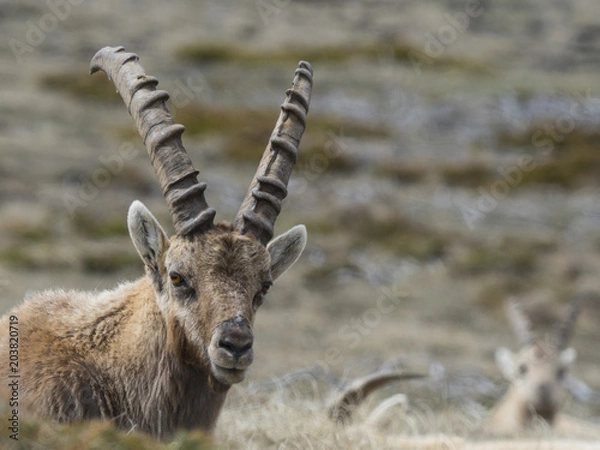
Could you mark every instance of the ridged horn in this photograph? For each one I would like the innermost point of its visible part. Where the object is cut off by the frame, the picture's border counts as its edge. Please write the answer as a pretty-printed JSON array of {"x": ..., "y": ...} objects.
[
  {"x": 161, "y": 136},
  {"x": 564, "y": 329},
  {"x": 519, "y": 322},
  {"x": 262, "y": 203},
  {"x": 341, "y": 408}
]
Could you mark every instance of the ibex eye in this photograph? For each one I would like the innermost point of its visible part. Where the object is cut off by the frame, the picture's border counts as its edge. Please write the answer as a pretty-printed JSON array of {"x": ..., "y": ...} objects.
[
  {"x": 560, "y": 373},
  {"x": 176, "y": 279}
]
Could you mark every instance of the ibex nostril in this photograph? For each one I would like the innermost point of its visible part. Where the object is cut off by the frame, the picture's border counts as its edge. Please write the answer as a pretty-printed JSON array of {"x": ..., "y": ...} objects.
[
  {"x": 246, "y": 347},
  {"x": 227, "y": 346},
  {"x": 236, "y": 345}
]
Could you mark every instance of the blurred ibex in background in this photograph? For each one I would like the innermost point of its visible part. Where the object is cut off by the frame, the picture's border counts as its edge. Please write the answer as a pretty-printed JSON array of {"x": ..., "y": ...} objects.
[
  {"x": 536, "y": 373},
  {"x": 160, "y": 353}
]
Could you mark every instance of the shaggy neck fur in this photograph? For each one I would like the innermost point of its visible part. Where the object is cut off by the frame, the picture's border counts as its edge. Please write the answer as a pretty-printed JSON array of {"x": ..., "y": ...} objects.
[
  {"x": 117, "y": 358},
  {"x": 183, "y": 393}
]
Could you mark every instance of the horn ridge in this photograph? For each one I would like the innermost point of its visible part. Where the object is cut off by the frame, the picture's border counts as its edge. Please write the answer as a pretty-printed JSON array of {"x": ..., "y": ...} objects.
[
  {"x": 268, "y": 189},
  {"x": 161, "y": 136}
]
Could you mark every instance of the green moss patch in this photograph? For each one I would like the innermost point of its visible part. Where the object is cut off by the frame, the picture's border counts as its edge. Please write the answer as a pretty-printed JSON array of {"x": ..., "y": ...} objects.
[
  {"x": 401, "y": 172},
  {"x": 99, "y": 226},
  {"x": 511, "y": 256},
  {"x": 470, "y": 175},
  {"x": 388, "y": 230},
  {"x": 569, "y": 160},
  {"x": 81, "y": 85},
  {"x": 493, "y": 293},
  {"x": 401, "y": 51},
  {"x": 246, "y": 132},
  {"x": 109, "y": 261}
]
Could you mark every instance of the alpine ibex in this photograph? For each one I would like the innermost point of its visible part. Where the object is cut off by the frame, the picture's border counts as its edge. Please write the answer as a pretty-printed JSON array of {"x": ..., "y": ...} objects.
[
  {"x": 160, "y": 353},
  {"x": 536, "y": 373}
]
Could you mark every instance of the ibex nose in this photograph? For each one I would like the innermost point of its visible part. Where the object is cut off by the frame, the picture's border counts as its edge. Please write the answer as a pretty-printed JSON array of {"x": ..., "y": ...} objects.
[
  {"x": 236, "y": 343},
  {"x": 236, "y": 338},
  {"x": 545, "y": 396},
  {"x": 545, "y": 391}
]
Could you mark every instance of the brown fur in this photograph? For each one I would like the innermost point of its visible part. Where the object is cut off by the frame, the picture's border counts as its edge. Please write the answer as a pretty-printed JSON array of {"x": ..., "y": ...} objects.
[{"x": 140, "y": 354}]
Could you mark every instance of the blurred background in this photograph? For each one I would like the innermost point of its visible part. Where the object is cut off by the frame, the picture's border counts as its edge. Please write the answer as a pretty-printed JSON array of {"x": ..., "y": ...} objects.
[{"x": 450, "y": 161}]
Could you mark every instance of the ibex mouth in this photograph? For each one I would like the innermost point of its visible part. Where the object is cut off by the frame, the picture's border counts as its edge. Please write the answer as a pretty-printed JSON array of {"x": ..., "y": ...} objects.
[
  {"x": 227, "y": 368},
  {"x": 230, "y": 351},
  {"x": 228, "y": 376}
]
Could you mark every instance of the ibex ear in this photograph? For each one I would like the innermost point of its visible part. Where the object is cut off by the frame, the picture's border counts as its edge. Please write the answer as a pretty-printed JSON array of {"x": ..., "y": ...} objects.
[
  {"x": 148, "y": 237},
  {"x": 568, "y": 356},
  {"x": 286, "y": 249},
  {"x": 505, "y": 360}
]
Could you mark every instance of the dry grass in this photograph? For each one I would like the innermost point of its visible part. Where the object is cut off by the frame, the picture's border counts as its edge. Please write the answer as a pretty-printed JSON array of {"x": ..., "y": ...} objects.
[
  {"x": 291, "y": 414},
  {"x": 34, "y": 434}
]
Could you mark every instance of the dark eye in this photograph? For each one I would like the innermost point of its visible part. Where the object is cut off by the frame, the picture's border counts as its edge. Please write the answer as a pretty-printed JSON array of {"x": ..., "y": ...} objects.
[
  {"x": 523, "y": 369},
  {"x": 258, "y": 298},
  {"x": 176, "y": 279},
  {"x": 560, "y": 373}
]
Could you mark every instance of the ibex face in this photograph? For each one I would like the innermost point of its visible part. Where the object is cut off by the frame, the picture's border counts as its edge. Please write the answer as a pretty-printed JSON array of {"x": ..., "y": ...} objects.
[
  {"x": 537, "y": 371},
  {"x": 222, "y": 291},
  {"x": 536, "y": 374},
  {"x": 209, "y": 286}
]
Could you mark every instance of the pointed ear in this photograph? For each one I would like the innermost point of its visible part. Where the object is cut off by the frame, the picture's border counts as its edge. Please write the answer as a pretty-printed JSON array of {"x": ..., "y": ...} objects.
[
  {"x": 286, "y": 249},
  {"x": 149, "y": 239},
  {"x": 505, "y": 360},
  {"x": 568, "y": 356}
]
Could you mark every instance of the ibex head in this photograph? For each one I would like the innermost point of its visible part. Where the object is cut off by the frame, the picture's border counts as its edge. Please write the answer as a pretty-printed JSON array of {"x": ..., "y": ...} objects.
[
  {"x": 538, "y": 370},
  {"x": 210, "y": 279}
]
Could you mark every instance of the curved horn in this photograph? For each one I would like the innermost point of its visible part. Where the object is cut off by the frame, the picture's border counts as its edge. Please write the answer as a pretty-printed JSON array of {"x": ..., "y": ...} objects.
[
  {"x": 162, "y": 137},
  {"x": 519, "y": 322},
  {"x": 564, "y": 329},
  {"x": 262, "y": 203},
  {"x": 341, "y": 408}
]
